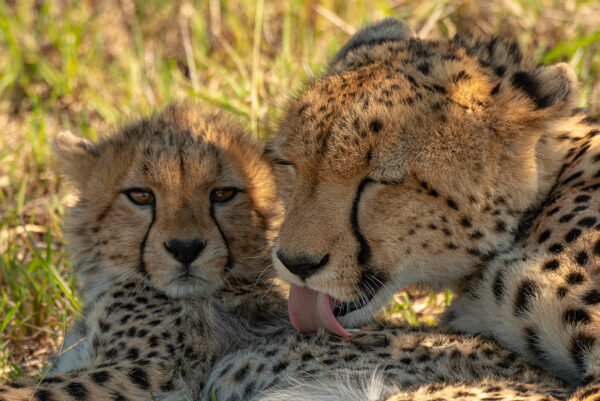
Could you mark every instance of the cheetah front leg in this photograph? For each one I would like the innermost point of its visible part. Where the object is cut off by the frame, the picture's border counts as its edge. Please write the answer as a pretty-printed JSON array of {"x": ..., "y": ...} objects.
[
  {"x": 542, "y": 307},
  {"x": 588, "y": 392},
  {"x": 486, "y": 390},
  {"x": 107, "y": 382}
]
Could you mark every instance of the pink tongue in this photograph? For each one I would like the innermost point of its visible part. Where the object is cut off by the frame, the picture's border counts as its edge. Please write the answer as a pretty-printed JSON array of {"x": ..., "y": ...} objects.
[{"x": 310, "y": 310}]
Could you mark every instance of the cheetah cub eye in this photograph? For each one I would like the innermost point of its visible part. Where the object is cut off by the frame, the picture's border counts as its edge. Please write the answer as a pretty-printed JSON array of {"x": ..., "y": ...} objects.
[
  {"x": 139, "y": 196},
  {"x": 224, "y": 194}
]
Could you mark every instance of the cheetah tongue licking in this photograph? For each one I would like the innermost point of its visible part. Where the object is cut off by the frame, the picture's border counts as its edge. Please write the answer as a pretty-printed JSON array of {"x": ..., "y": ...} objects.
[{"x": 310, "y": 310}]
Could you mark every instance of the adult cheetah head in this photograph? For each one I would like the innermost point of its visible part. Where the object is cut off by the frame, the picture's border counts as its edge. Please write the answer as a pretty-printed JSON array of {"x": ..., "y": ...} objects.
[
  {"x": 410, "y": 161},
  {"x": 184, "y": 198}
]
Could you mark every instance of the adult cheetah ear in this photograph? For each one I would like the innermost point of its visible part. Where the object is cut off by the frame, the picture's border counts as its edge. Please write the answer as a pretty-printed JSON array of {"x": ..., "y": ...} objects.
[
  {"x": 535, "y": 97},
  {"x": 77, "y": 156},
  {"x": 388, "y": 29}
]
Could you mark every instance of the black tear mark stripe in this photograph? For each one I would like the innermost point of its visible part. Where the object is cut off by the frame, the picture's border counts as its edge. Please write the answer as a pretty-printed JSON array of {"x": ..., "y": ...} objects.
[
  {"x": 143, "y": 269},
  {"x": 229, "y": 263},
  {"x": 364, "y": 252}
]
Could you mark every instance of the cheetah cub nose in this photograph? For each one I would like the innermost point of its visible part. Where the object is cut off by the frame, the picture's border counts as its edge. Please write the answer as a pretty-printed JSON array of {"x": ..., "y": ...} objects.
[
  {"x": 185, "y": 251},
  {"x": 303, "y": 266}
]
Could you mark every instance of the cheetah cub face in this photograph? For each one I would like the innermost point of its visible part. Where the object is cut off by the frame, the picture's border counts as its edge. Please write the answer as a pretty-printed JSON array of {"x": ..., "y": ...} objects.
[
  {"x": 184, "y": 198},
  {"x": 410, "y": 161}
]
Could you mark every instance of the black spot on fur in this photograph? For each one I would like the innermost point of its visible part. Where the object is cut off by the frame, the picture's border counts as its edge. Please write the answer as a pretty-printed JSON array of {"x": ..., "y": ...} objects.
[
  {"x": 580, "y": 344},
  {"x": 573, "y": 235},
  {"x": 551, "y": 265},
  {"x": 476, "y": 235},
  {"x": 241, "y": 374},
  {"x": 465, "y": 222},
  {"x": 576, "y": 316},
  {"x": 556, "y": 248},
  {"x": 104, "y": 327},
  {"x": 168, "y": 386},
  {"x": 534, "y": 344},
  {"x": 581, "y": 258},
  {"x": 561, "y": 292},
  {"x": 575, "y": 278},
  {"x": 100, "y": 377},
  {"x": 44, "y": 395},
  {"x": 133, "y": 354},
  {"x": 118, "y": 397},
  {"x": 376, "y": 125},
  {"x": 582, "y": 198},
  {"x": 500, "y": 70},
  {"x": 495, "y": 90},
  {"x": 572, "y": 177},
  {"x": 280, "y": 367},
  {"x": 139, "y": 377},
  {"x": 77, "y": 391},
  {"x": 498, "y": 286},
  {"x": 566, "y": 218},
  {"x": 591, "y": 298},
  {"x": 544, "y": 236},
  {"x": 524, "y": 81},
  {"x": 587, "y": 222},
  {"x": 424, "y": 68},
  {"x": 525, "y": 294},
  {"x": 452, "y": 204}
]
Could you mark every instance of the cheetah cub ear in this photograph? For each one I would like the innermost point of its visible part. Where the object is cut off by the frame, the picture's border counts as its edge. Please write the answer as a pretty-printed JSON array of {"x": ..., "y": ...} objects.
[
  {"x": 388, "y": 29},
  {"x": 77, "y": 156},
  {"x": 536, "y": 97}
]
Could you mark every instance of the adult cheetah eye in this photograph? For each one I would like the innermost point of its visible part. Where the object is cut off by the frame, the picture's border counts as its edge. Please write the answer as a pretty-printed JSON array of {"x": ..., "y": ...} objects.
[
  {"x": 223, "y": 194},
  {"x": 139, "y": 196},
  {"x": 284, "y": 162}
]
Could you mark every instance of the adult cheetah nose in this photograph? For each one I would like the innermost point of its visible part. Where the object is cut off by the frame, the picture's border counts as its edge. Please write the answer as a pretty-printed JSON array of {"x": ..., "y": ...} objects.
[
  {"x": 185, "y": 251},
  {"x": 303, "y": 266}
]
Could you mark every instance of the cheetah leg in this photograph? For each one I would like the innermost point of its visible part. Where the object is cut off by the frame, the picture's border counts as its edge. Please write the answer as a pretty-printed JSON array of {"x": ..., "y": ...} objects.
[
  {"x": 589, "y": 392},
  {"x": 486, "y": 390},
  {"x": 116, "y": 382},
  {"x": 540, "y": 307}
]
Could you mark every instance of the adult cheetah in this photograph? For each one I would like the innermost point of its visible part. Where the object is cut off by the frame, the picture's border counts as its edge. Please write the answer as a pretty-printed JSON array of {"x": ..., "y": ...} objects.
[
  {"x": 170, "y": 236},
  {"x": 453, "y": 163}
]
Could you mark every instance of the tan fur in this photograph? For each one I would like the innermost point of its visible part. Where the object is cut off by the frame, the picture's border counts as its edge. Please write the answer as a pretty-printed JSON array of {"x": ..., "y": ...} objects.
[
  {"x": 411, "y": 363},
  {"x": 151, "y": 331},
  {"x": 181, "y": 154},
  {"x": 418, "y": 161}
]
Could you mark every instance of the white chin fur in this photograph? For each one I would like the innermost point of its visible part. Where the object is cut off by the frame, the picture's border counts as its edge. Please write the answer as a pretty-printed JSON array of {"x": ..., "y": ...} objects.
[{"x": 183, "y": 289}]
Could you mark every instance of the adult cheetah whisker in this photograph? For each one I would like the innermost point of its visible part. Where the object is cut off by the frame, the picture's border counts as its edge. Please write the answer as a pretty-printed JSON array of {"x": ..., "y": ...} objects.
[
  {"x": 268, "y": 290},
  {"x": 267, "y": 272}
]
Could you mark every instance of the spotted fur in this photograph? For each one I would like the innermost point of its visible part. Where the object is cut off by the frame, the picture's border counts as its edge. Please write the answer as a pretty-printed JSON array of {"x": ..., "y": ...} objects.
[
  {"x": 154, "y": 320},
  {"x": 449, "y": 163},
  {"x": 379, "y": 362}
]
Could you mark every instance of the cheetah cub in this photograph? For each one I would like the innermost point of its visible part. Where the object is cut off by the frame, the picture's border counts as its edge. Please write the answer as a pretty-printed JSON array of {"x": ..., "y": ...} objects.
[{"x": 170, "y": 234}]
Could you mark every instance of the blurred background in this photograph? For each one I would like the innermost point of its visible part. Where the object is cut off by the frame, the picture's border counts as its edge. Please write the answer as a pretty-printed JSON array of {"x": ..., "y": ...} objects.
[{"x": 89, "y": 65}]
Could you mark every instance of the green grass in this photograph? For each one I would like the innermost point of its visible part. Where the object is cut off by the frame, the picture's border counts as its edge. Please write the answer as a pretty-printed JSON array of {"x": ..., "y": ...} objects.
[{"x": 87, "y": 66}]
